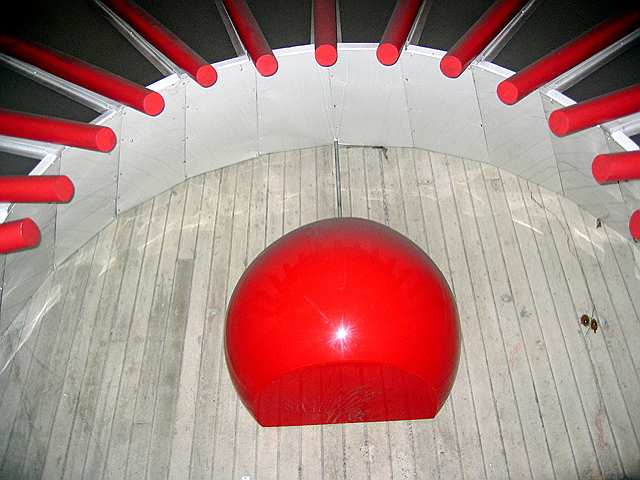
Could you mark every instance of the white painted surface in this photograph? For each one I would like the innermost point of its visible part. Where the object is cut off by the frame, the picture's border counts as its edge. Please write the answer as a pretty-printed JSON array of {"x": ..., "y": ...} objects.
[
  {"x": 370, "y": 100},
  {"x": 294, "y": 106},
  {"x": 444, "y": 112},
  {"x": 221, "y": 121},
  {"x": 152, "y": 149}
]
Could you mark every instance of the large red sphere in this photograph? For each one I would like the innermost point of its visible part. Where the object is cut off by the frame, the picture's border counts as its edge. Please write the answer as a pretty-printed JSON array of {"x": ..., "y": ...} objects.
[{"x": 342, "y": 320}]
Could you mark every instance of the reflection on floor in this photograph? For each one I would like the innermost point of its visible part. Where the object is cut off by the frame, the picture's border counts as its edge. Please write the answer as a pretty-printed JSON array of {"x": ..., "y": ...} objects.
[{"x": 124, "y": 375}]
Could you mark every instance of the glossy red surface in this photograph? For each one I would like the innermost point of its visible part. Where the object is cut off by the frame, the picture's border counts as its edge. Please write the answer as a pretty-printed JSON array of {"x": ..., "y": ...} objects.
[
  {"x": 56, "y": 130},
  {"x": 634, "y": 225},
  {"x": 252, "y": 37},
  {"x": 325, "y": 32},
  {"x": 165, "y": 41},
  {"x": 521, "y": 84},
  {"x": 397, "y": 30},
  {"x": 83, "y": 74},
  {"x": 36, "y": 189},
  {"x": 616, "y": 167},
  {"x": 18, "y": 235},
  {"x": 342, "y": 320},
  {"x": 595, "y": 111},
  {"x": 476, "y": 39}
]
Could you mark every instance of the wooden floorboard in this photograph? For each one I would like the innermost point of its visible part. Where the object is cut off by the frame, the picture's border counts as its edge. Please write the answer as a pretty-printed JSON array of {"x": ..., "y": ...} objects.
[{"x": 124, "y": 374}]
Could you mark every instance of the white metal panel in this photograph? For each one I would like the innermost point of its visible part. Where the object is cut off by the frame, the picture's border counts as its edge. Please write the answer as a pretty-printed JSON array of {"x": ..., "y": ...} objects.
[
  {"x": 294, "y": 105},
  {"x": 221, "y": 121},
  {"x": 94, "y": 175},
  {"x": 574, "y": 155},
  {"x": 152, "y": 152},
  {"x": 517, "y": 135},
  {"x": 444, "y": 113},
  {"x": 369, "y": 99},
  {"x": 25, "y": 271}
]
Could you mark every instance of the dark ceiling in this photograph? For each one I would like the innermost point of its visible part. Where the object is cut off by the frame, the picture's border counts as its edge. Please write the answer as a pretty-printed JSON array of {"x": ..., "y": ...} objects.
[{"x": 79, "y": 28}]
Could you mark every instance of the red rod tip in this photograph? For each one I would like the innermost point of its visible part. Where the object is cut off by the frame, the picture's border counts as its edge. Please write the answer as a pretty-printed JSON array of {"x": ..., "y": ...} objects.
[
  {"x": 600, "y": 169},
  {"x": 451, "y": 66},
  {"x": 267, "y": 65},
  {"x": 206, "y": 75},
  {"x": 29, "y": 233},
  {"x": 326, "y": 55},
  {"x": 387, "y": 54},
  {"x": 64, "y": 189},
  {"x": 559, "y": 123},
  {"x": 634, "y": 225},
  {"x": 508, "y": 93},
  {"x": 153, "y": 104},
  {"x": 21, "y": 234},
  {"x": 105, "y": 139}
]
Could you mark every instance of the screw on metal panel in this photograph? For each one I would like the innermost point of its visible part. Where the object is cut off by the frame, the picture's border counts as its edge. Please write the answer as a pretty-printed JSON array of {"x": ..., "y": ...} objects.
[{"x": 594, "y": 325}]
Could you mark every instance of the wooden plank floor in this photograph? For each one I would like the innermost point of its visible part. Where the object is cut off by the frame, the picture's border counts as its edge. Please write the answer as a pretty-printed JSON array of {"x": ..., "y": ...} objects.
[{"x": 124, "y": 374}]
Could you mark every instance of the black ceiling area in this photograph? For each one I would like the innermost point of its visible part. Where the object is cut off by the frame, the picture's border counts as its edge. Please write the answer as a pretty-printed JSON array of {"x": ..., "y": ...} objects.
[{"x": 80, "y": 28}]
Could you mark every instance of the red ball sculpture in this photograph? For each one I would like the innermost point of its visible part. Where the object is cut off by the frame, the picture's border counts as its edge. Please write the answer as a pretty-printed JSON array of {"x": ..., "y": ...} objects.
[{"x": 342, "y": 320}]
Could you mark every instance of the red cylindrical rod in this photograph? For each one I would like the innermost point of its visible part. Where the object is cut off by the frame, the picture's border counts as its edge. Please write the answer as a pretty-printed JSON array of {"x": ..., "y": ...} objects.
[
  {"x": 616, "y": 167},
  {"x": 595, "y": 111},
  {"x": 56, "y": 130},
  {"x": 36, "y": 189},
  {"x": 84, "y": 74},
  {"x": 165, "y": 41},
  {"x": 18, "y": 235},
  {"x": 634, "y": 225},
  {"x": 252, "y": 37},
  {"x": 325, "y": 32},
  {"x": 476, "y": 39},
  {"x": 397, "y": 31},
  {"x": 518, "y": 86}
]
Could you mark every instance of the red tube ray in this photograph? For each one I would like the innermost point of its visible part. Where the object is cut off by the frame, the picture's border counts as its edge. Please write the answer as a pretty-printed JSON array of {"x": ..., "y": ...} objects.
[
  {"x": 634, "y": 225},
  {"x": 397, "y": 31},
  {"x": 84, "y": 74},
  {"x": 476, "y": 39},
  {"x": 165, "y": 41},
  {"x": 325, "y": 32},
  {"x": 18, "y": 235},
  {"x": 616, "y": 167},
  {"x": 593, "y": 112},
  {"x": 56, "y": 130},
  {"x": 36, "y": 189},
  {"x": 252, "y": 37},
  {"x": 518, "y": 86}
]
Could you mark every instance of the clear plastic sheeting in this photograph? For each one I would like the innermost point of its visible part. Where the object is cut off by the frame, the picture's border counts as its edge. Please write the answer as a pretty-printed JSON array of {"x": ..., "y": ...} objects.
[
  {"x": 630, "y": 190},
  {"x": 574, "y": 155},
  {"x": 517, "y": 136},
  {"x": 95, "y": 177},
  {"x": 25, "y": 271}
]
